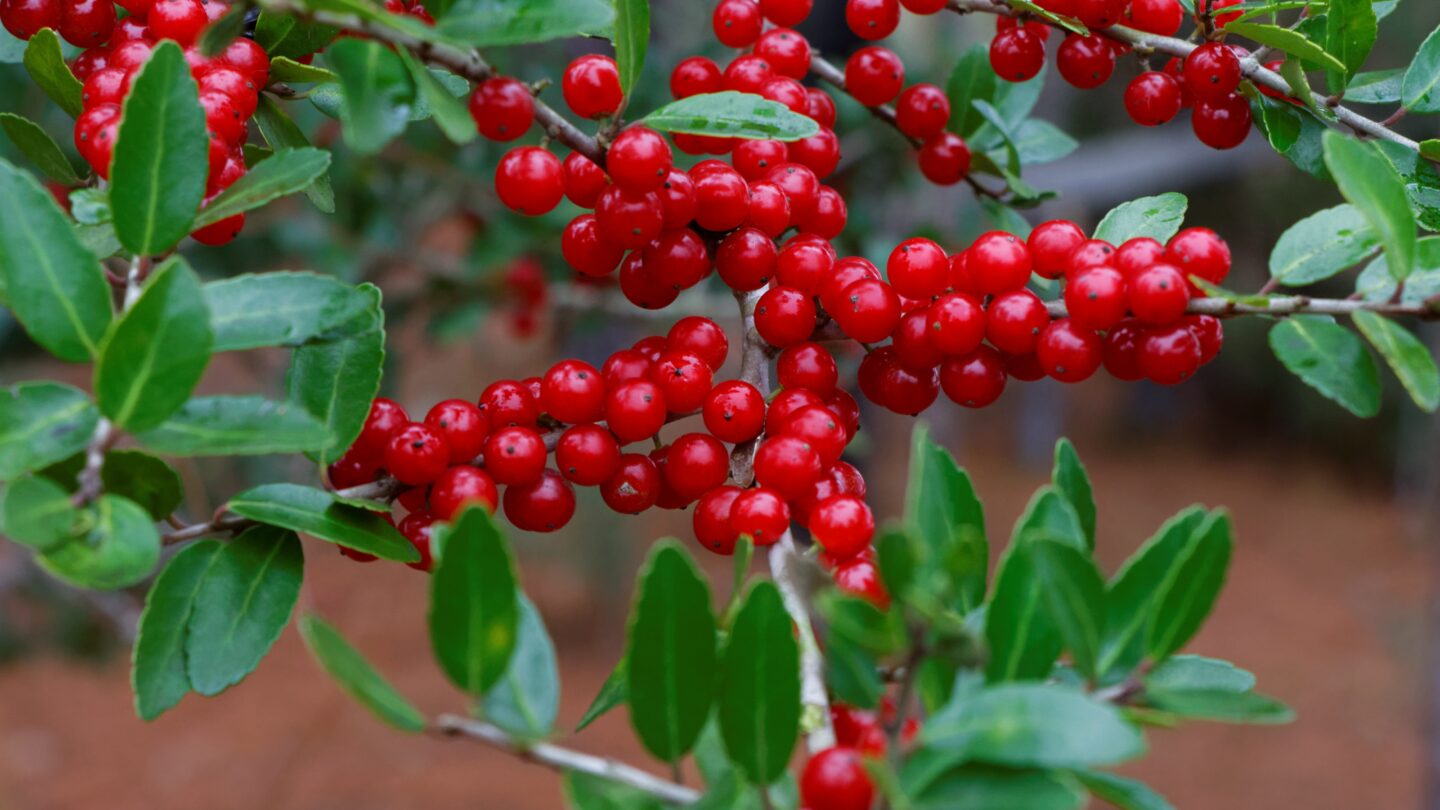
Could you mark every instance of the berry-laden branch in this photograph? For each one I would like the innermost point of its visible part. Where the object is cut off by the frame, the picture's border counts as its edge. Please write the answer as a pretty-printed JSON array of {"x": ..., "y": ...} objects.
[{"x": 1291, "y": 305}]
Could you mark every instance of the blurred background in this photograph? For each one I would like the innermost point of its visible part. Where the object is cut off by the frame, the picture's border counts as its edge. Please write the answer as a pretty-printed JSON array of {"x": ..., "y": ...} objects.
[{"x": 1331, "y": 596}]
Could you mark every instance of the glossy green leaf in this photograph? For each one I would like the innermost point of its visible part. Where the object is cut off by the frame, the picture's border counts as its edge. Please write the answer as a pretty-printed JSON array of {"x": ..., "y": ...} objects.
[
  {"x": 1372, "y": 185},
  {"x": 1420, "y": 89},
  {"x": 491, "y": 23},
  {"x": 1157, "y": 217},
  {"x": 248, "y": 594},
  {"x": 1194, "y": 672},
  {"x": 36, "y": 512},
  {"x": 632, "y": 39},
  {"x": 1376, "y": 284},
  {"x": 285, "y": 69},
  {"x": 1050, "y": 514},
  {"x": 852, "y": 674},
  {"x": 286, "y": 36},
  {"x": 895, "y": 554},
  {"x": 90, "y": 206},
  {"x": 1192, "y": 587},
  {"x": 1125, "y": 794},
  {"x": 1023, "y": 641},
  {"x": 1421, "y": 178},
  {"x": 671, "y": 653},
  {"x": 1136, "y": 589},
  {"x": 154, "y": 355},
  {"x": 1375, "y": 87},
  {"x": 1350, "y": 32},
  {"x": 51, "y": 282},
  {"x": 978, "y": 787},
  {"x": 971, "y": 78},
  {"x": 287, "y": 171},
  {"x": 1074, "y": 596},
  {"x": 336, "y": 379},
  {"x": 157, "y": 668},
  {"x": 1221, "y": 705},
  {"x": 281, "y": 132},
  {"x": 1070, "y": 479},
  {"x": 42, "y": 423},
  {"x": 944, "y": 514},
  {"x": 1293, "y": 132},
  {"x": 732, "y": 114},
  {"x": 161, "y": 162},
  {"x": 357, "y": 677},
  {"x": 281, "y": 309},
  {"x": 1034, "y": 726},
  {"x": 759, "y": 699},
  {"x": 1321, "y": 245},
  {"x": 235, "y": 426},
  {"x": 321, "y": 515},
  {"x": 474, "y": 612},
  {"x": 527, "y": 698},
  {"x": 1406, "y": 355},
  {"x": 1329, "y": 358},
  {"x": 144, "y": 479},
  {"x": 377, "y": 90},
  {"x": 120, "y": 549},
  {"x": 1040, "y": 142},
  {"x": 42, "y": 150},
  {"x": 449, "y": 112},
  {"x": 612, "y": 693},
  {"x": 45, "y": 62},
  {"x": 1287, "y": 40}
]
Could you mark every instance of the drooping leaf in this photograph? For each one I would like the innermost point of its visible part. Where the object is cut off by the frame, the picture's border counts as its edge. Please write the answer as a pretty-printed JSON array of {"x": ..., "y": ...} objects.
[
  {"x": 732, "y": 114},
  {"x": 45, "y": 62},
  {"x": 157, "y": 669},
  {"x": 1192, "y": 587},
  {"x": 335, "y": 379},
  {"x": 1321, "y": 245},
  {"x": 474, "y": 613},
  {"x": 1406, "y": 355},
  {"x": 944, "y": 514},
  {"x": 1329, "y": 358},
  {"x": 1371, "y": 184},
  {"x": 612, "y": 693},
  {"x": 493, "y": 23},
  {"x": 1136, "y": 589},
  {"x": 36, "y": 512},
  {"x": 37, "y": 145},
  {"x": 42, "y": 423},
  {"x": 632, "y": 39},
  {"x": 527, "y": 698},
  {"x": 1157, "y": 217},
  {"x": 280, "y": 132},
  {"x": 285, "y": 172},
  {"x": 1287, "y": 40},
  {"x": 321, "y": 515},
  {"x": 1125, "y": 794},
  {"x": 1034, "y": 726},
  {"x": 1069, "y": 478},
  {"x": 144, "y": 479},
  {"x": 235, "y": 426},
  {"x": 357, "y": 677},
  {"x": 1420, "y": 89},
  {"x": 377, "y": 91},
  {"x": 759, "y": 699},
  {"x": 120, "y": 549}
]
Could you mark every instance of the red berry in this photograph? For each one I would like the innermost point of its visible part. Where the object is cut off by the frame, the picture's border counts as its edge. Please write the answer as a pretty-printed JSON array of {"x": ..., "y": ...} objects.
[
  {"x": 1153, "y": 98},
  {"x": 695, "y": 463},
  {"x": 1137, "y": 254},
  {"x": 1067, "y": 352},
  {"x": 417, "y": 527},
  {"x": 999, "y": 262},
  {"x": 625, "y": 365},
  {"x": 945, "y": 159},
  {"x": 586, "y": 250},
  {"x": 955, "y": 324},
  {"x": 722, "y": 199},
  {"x": 869, "y": 311},
  {"x": 754, "y": 158},
  {"x": 786, "y": 464},
  {"x": 463, "y": 426},
  {"x": 1122, "y": 351},
  {"x": 1224, "y": 123},
  {"x": 386, "y": 418},
  {"x": 737, "y": 23},
  {"x": 1161, "y": 17},
  {"x": 1051, "y": 244},
  {"x": 711, "y": 521},
  {"x": 803, "y": 265},
  {"x": 587, "y": 455},
  {"x": 107, "y": 86},
  {"x": 842, "y": 525},
  {"x": 24, "y": 18},
  {"x": 872, "y": 19},
  {"x": 461, "y": 486},
  {"x": 591, "y": 86},
  {"x": 784, "y": 316},
  {"x": 1091, "y": 253},
  {"x": 974, "y": 380},
  {"x": 788, "y": 53},
  {"x": 1208, "y": 331},
  {"x": 248, "y": 58},
  {"x": 922, "y": 111},
  {"x": 677, "y": 259},
  {"x": 528, "y": 180},
  {"x": 821, "y": 428},
  {"x": 819, "y": 152},
  {"x": 1085, "y": 62},
  {"x": 628, "y": 219},
  {"x": 416, "y": 454},
  {"x": 809, "y": 366},
  {"x": 1223, "y": 20},
  {"x": 1095, "y": 299},
  {"x": 734, "y": 411},
  {"x": 762, "y": 514},
  {"x": 582, "y": 179},
  {"x": 573, "y": 392},
  {"x": 786, "y": 12},
  {"x": 918, "y": 268},
  {"x": 694, "y": 76},
  {"x": 639, "y": 159},
  {"x": 180, "y": 20},
  {"x": 507, "y": 402},
  {"x": 745, "y": 259},
  {"x": 911, "y": 342},
  {"x": 1017, "y": 55},
  {"x": 87, "y": 23},
  {"x": 515, "y": 455},
  {"x": 702, "y": 336},
  {"x": 874, "y": 75},
  {"x": 635, "y": 411},
  {"x": 1169, "y": 355},
  {"x": 1212, "y": 72},
  {"x": 544, "y": 505},
  {"x": 1159, "y": 295},
  {"x": 820, "y": 107},
  {"x": 222, "y": 117},
  {"x": 748, "y": 73},
  {"x": 634, "y": 487},
  {"x": 1098, "y": 13},
  {"x": 769, "y": 209},
  {"x": 1199, "y": 252},
  {"x": 861, "y": 577},
  {"x": 503, "y": 108},
  {"x": 233, "y": 83},
  {"x": 800, "y": 185},
  {"x": 684, "y": 380},
  {"x": 643, "y": 288}
]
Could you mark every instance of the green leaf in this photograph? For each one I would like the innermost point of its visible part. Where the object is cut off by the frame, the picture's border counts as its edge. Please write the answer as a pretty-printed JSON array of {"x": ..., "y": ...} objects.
[
  {"x": 90, "y": 206},
  {"x": 1040, "y": 141},
  {"x": 285, "y": 172},
  {"x": 851, "y": 673},
  {"x": 52, "y": 284},
  {"x": 612, "y": 693},
  {"x": 37, "y": 512},
  {"x": 280, "y": 132},
  {"x": 1195, "y": 672},
  {"x": 1221, "y": 705},
  {"x": 42, "y": 150},
  {"x": 1420, "y": 90},
  {"x": 249, "y": 592},
  {"x": 1287, "y": 40},
  {"x": 732, "y": 114},
  {"x": 1350, "y": 32},
  {"x": 1049, "y": 514},
  {"x": 157, "y": 179},
  {"x": 321, "y": 515},
  {"x": 45, "y": 62},
  {"x": 1136, "y": 590},
  {"x": 1421, "y": 179},
  {"x": 1069, "y": 478},
  {"x": 1430, "y": 149},
  {"x": 287, "y": 70},
  {"x": 1329, "y": 358},
  {"x": 1125, "y": 794},
  {"x": 157, "y": 669},
  {"x": 1371, "y": 184},
  {"x": 895, "y": 554},
  {"x": 377, "y": 92},
  {"x": 944, "y": 514},
  {"x": 759, "y": 700},
  {"x": 671, "y": 653},
  {"x": 235, "y": 426},
  {"x": 284, "y": 36},
  {"x": 1294, "y": 133},
  {"x": 492, "y": 23},
  {"x": 1061, "y": 20},
  {"x": 336, "y": 379},
  {"x": 154, "y": 355},
  {"x": 978, "y": 787},
  {"x": 144, "y": 479},
  {"x": 1157, "y": 217},
  {"x": 1321, "y": 245},
  {"x": 474, "y": 612},
  {"x": 972, "y": 78},
  {"x": 120, "y": 549},
  {"x": 527, "y": 698},
  {"x": 585, "y": 792},
  {"x": 449, "y": 112},
  {"x": 1033, "y": 726},
  {"x": 42, "y": 423},
  {"x": 1407, "y": 356},
  {"x": 632, "y": 38},
  {"x": 1074, "y": 596},
  {"x": 357, "y": 677},
  {"x": 218, "y": 35},
  {"x": 1191, "y": 588},
  {"x": 1024, "y": 642},
  {"x": 1375, "y": 87},
  {"x": 1376, "y": 284},
  {"x": 281, "y": 309}
]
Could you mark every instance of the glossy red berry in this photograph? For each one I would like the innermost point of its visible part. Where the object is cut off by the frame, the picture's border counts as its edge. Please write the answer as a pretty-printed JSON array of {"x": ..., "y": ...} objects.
[
  {"x": 1137, "y": 254},
  {"x": 1096, "y": 298},
  {"x": 507, "y": 402},
  {"x": 1162, "y": 17},
  {"x": 1200, "y": 252},
  {"x": 24, "y": 18},
  {"x": 628, "y": 219},
  {"x": 693, "y": 76},
  {"x": 639, "y": 159},
  {"x": 711, "y": 521},
  {"x": 737, "y": 23},
  {"x": 684, "y": 379},
  {"x": 635, "y": 410},
  {"x": 874, "y": 75},
  {"x": 461, "y": 486},
  {"x": 918, "y": 268},
  {"x": 586, "y": 250},
  {"x": 788, "y": 53},
  {"x": 786, "y": 12},
  {"x": 1098, "y": 13},
  {"x": 677, "y": 259},
  {"x": 974, "y": 380},
  {"x": 1169, "y": 355},
  {"x": 911, "y": 342},
  {"x": 386, "y": 418},
  {"x": 573, "y": 392},
  {"x": 1017, "y": 55},
  {"x": 515, "y": 455},
  {"x": 722, "y": 199},
  {"x": 544, "y": 505},
  {"x": 809, "y": 366},
  {"x": 1152, "y": 98},
  {"x": 634, "y": 487},
  {"x": 999, "y": 262},
  {"x": 417, "y": 527},
  {"x": 869, "y": 311},
  {"x": 528, "y": 180},
  {"x": 1223, "y": 123},
  {"x": 1209, "y": 332},
  {"x": 180, "y": 20},
  {"x": 588, "y": 455},
  {"x": 955, "y": 324},
  {"x": 245, "y": 55},
  {"x": 1051, "y": 244},
  {"x": 702, "y": 336},
  {"x": 745, "y": 259},
  {"x": 861, "y": 577},
  {"x": 695, "y": 463},
  {"x": 1085, "y": 62},
  {"x": 922, "y": 111},
  {"x": 416, "y": 454},
  {"x": 786, "y": 464},
  {"x": 1121, "y": 352},
  {"x": 734, "y": 411},
  {"x": 463, "y": 426},
  {"x": 762, "y": 514},
  {"x": 842, "y": 525},
  {"x": 87, "y": 23},
  {"x": 642, "y": 287},
  {"x": 784, "y": 316},
  {"x": 503, "y": 108},
  {"x": 1159, "y": 295},
  {"x": 1067, "y": 352},
  {"x": 1212, "y": 72},
  {"x": 591, "y": 86},
  {"x": 945, "y": 159},
  {"x": 872, "y": 19}
]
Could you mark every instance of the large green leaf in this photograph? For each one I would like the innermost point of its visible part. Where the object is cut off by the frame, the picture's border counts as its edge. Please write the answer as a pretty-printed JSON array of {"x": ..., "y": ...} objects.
[
  {"x": 248, "y": 594},
  {"x": 1350, "y": 32},
  {"x": 1074, "y": 596},
  {"x": 1033, "y": 726},
  {"x": 944, "y": 514},
  {"x": 378, "y": 92},
  {"x": 1421, "y": 179},
  {"x": 40, "y": 148},
  {"x": 120, "y": 549},
  {"x": 157, "y": 179},
  {"x": 1157, "y": 217},
  {"x": 1321, "y": 245},
  {"x": 474, "y": 612},
  {"x": 42, "y": 423},
  {"x": 45, "y": 62},
  {"x": 235, "y": 426},
  {"x": 144, "y": 479},
  {"x": 732, "y": 114},
  {"x": 335, "y": 379},
  {"x": 759, "y": 700},
  {"x": 671, "y": 653},
  {"x": 527, "y": 698},
  {"x": 154, "y": 355},
  {"x": 281, "y": 132},
  {"x": 157, "y": 668},
  {"x": 51, "y": 282},
  {"x": 612, "y": 693},
  {"x": 37, "y": 512},
  {"x": 851, "y": 673},
  {"x": 321, "y": 515},
  {"x": 1372, "y": 185},
  {"x": 1420, "y": 89},
  {"x": 286, "y": 171},
  {"x": 1136, "y": 589},
  {"x": 280, "y": 309},
  {"x": 632, "y": 38},
  {"x": 1192, "y": 586},
  {"x": 1407, "y": 356},
  {"x": 1023, "y": 640},
  {"x": 1125, "y": 794},
  {"x": 1329, "y": 358},
  {"x": 491, "y": 23},
  {"x": 1069, "y": 478},
  {"x": 357, "y": 677}
]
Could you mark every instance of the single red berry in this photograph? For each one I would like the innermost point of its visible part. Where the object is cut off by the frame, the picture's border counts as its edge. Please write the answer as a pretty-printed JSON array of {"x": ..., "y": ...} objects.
[
  {"x": 1212, "y": 72},
  {"x": 1161, "y": 17},
  {"x": 754, "y": 158},
  {"x": 844, "y": 272},
  {"x": 464, "y": 427},
  {"x": 1017, "y": 55},
  {"x": 684, "y": 379},
  {"x": 1169, "y": 355},
  {"x": 788, "y": 53},
  {"x": 180, "y": 20},
  {"x": 869, "y": 311},
  {"x": 677, "y": 199},
  {"x": 1135, "y": 255},
  {"x": 222, "y": 117},
  {"x": 1159, "y": 295},
  {"x": 503, "y": 108},
  {"x": 1199, "y": 252},
  {"x": 462, "y": 486},
  {"x": 803, "y": 265},
  {"x": 1067, "y": 352},
  {"x": 591, "y": 86},
  {"x": 696, "y": 463},
  {"x": 745, "y": 259},
  {"x": 1152, "y": 98},
  {"x": 639, "y": 159},
  {"x": 693, "y": 76},
  {"x": 1085, "y": 62},
  {"x": 809, "y": 366},
  {"x": 643, "y": 288},
  {"x": 24, "y": 18},
  {"x": 786, "y": 12},
  {"x": 820, "y": 152},
  {"x": 628, "y": 219},
  {"x": 416, "y": 454},
  {"x": 786, "y": 403},
  {"x": 1223, "y": 123},
  {"x": 974, "y": 380},
  {"x": 861, "y": 577},
  {"x": 734, "y": 411},
  {"x": 1091, "y": 253},
  {"x": 722, "y": 199},
  {"x": 786, "y": 464},
  {"x": 107, "y": 86},
  {"x": 784, "y": 316},
  {"x": 820, "y": 107},
  {"x": 922, "y": 111},
  {"x": 918, "y": 268},
  {"x": 582, "y": 179},
  {"x": 528, "y": 180},
  {"x": 543, "y": 505},
  {"x": 386, "y": 418},
  {"x": 515, "y": 455},
  {"x": 507, "y": 402},
  {"x": 634, "y": 487},
  {"x": 889, "y": 384},
  {"x": 747, "y": 74},
  {"x": 872, "y": 19},
  {"x": 1209, "y": 332},
  {"x": 233, "y": 83},
  {"x": 821, "y": 428},
  {"x": 761, "y": 514},
  {"x": 874, "y": 75},
  {"x": 737, "y": 23},
  {"x": 955, "y": 324},
  {"x": 842, "y": 525},
  {"x": 1098, "y": 13},
  {"x": 87, "y": 23},
  {"x": 586, "y": 250},
  {"x": 911, "y": 342},
  {"x": 945, "y": 159},
  {"x": 573, "y": 392},
  {"x": 711, "y": 521},
  {"x": 677, "y": 259},
  {"x": 999, "y": 262},
  {"x": 1096, "y": 298},
  {"x": 702, "y": 336},
  {"x": 923, "y": 6},
  {"x": 769, "y": 209},
  {"x": 1051, "y": 244},
  {"x": 1122, "y": 350},
  {"x": 635, "y": 410},
  {"x": 245, "y": 55},
  {"x": 418, "y": 528},
  {"x": 587, "y": 455}
]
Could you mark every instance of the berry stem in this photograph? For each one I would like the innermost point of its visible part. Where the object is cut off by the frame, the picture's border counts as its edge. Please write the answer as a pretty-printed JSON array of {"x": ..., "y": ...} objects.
[{"x": 1291, "y": 305}]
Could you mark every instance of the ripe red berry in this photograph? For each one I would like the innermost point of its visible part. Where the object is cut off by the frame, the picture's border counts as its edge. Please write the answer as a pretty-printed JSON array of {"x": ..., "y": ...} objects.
[
  {"x": 1017, "y": 55},
  {"x": 769, "y": 209},
  {"x": 1161, "y": 17},
  {"x": 1159, "y": 295},
  {"x": 180, "y": 20},
  {"x": 955, "y": 324},
  {"x": 820, "y": 107},
  {"x": 515, "y": 455},
  {"x": 918, "y": 268},
  {"x": 911, "y": 342},
  {"x": 582, "y": 179},
  {"x": 923, "y": 6},
  {"x": 24, "y": 18},
  {"x": 887, "y": 383},
  {"x": 945, "y": 159},
  {"x": 788, "y": 53},
  {"x": 842, "y": 525},
  {"x": 869, "y": 311},
  {"x": 643, "y": 288},
  {"x": 543, "y": 505},
  {"x": 417, "y": 528},
  {"x": 635, "y": 410},
  {"x": 1091, "y": 253},
  {"x": 1122, "y": 351},
  {"x": 634, "y": 487},
  {"x": 87, "y": 23},
  {"x": 628, "y": 219},
  {"x": 786, "y": 12},
  {"x": 573, "y": 392},
  {"x": 1096, "y": 299},
  {"x": 804, "y": 266},
  {"x": 528, "y": 180},
  {"x": 819, "y": 152},
  {"x": 695, "y": 463},
  {"x": 754, "y": 158},
  {"x": 747, "y": 74},
  {"x": 1085, "y": 62},
  {"x": 737, "y": 23},
  {"x": 1212, "y": 72},
  {"x": 245, "y": 55},
  {"x": 677, "y": 259},
  {"x": 1137, "y": 254},
  {"x": 861, "y": 577},
  {"x": 639, "y": 159},
  {"x": 693, "y": 76},
  {"x": 1199, "y": 252},
  {"x": 416, "y": 454},
  {"x": 1223, "y": 123},
  {"x": 503, "y": 108},
  {"x": 1223, "y": 20},
  {"x": 922, "y": 111},
  {"x": 874, "y": 75},
  {"x": 745, "y": 259},
  {"x": 1098, "y": 13},
  {"x": 1209, "y": 332},
  {"x": 872, "y": 19},
  {"x": 461, "y": 486},
  {"x": 762, "y": 514},
  {"x": 722, "y": 199},
  {"x": 586, "y": 250},
  {"x": 711, "y": 521},
  {"x": 386, "y": 418},
  {"x": 463, "y": 426},
  {"x": 809, "y": 366},
  {"x": 784, "y": 316},
  {"x": 1152, "y": 98},
  {"x": 821, "y": 428},
  {"x": 1067, "y": 352},
  {"x": 591, "y": 86},
  {"x": 587, "y": 455},
  {"x": 507, "y": 402},
  {"x": 1051, "y": 244},
  {"x": 702, "y": 336},
  {"x": 999, "y": 262},
  {"x": 684, "y": 380},
  {"x": 786, "y": 464},
  {"x": 1169, "y": 355},
  {"x": 974, "y": 380},
  {"x": 233, "y": 83},
  {"x": 734, "y": 411}
]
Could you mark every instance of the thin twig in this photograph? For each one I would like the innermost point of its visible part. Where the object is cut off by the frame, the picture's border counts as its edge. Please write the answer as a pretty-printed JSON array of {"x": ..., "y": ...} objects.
[
  {"x": 786, "y": 569},
  {"x": 1292, "y": 305}
]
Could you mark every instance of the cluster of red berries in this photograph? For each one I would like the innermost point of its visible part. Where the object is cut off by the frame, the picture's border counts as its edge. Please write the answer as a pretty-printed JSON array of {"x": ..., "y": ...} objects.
[
  {"x": 1207, "y": 80},
  {"x": 836, "y": 778},
  {"x": 115, "y": 50}
]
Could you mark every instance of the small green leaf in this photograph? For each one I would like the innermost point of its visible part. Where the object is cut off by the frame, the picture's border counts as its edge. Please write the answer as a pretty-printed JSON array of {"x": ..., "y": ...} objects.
[
  {"x": 1061, "y": 20},
  {"x": 157, "y": 179},
  {"x": 1069, "y": 478},
  {"x": 612, "y": 693},
  {"x": 895, "y": 553},
  {"x": 45, "y": 62},
  {"x": 157, "y": 669},
  {"x": 40, "y": 148},
  {"x": 1192, "y": 587},
  {"x": 280, "y": 132},
  {"x": 1039, "y": 141},
  {"x": 1350, "y": 32},
  {"x": 1136, "y": 589},
  {"x": 144, "y": 479},
  {"x": 235, "y": 426},
  {"x": 972, "y": 78},
  {"x": 732, "y": 114},
  {"x": 287, "y": 70},
  {"x": 944, "y": 514},
  {"x": 90, "y": 206},
  {"x": 377, "y": 91},
  {"x": 36, "y": 512},
  {"x": 851, "y": 674},
  {"x": 120, "y": 549},
  {"x": 1287, "y": 40},
  {"x": 671, "y": 653},
  {"x": 319, "y": 514},
  {"x": 155, "y": 354},
  {"x": 285, "y": 36},
  {"x": 281, "y": 309},
  {"x": 1074, "y": 596},
  {"x": 1420, "y": 90},
  {"x": 632, "y": 38},
  {"x": 1050, "y": 514},
  {"x": 1221, "y": 705},
  {"x": 1157, "y": 217},
  {"x": 1023, "y": 640},
  {"x": 1371, "y": 184},
  {"x": 285, "y": 172},
  {"x": 357, "y": 677},
  {"x": 449, "y": 112},
  {"x": 1125, "y": 794},
  {"x": 527, "y": 698},
  {"x": 335, "y": 379},
  {"x": 1034, "y": 726},
  {"x": 248, "y": 594},
  {"x": 474, "y": 612},
  {"x": 51, "y": 282},
  {"x": 1375, "y": 87},
  {"x": 1321, "y": 245},
  {"x": 1194, "y": 672},
  {"x": 1376, "y": 284},
  {"x": 1329, "y": 358},
  {"x": 1407, "y": 356},
  {"x": 493, "y": 23},
  {"x": 42, "y": 423},
  {"x": 759, "y": 700}
]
